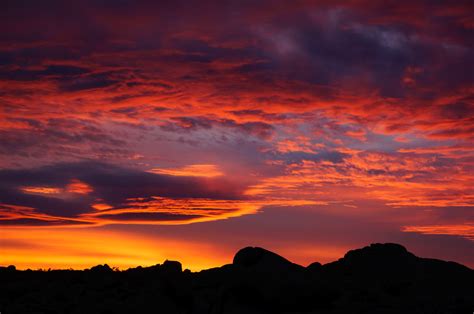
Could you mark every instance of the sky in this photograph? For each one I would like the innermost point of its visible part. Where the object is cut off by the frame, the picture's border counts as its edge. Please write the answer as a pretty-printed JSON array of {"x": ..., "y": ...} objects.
[{"x": 137, "y": 131}]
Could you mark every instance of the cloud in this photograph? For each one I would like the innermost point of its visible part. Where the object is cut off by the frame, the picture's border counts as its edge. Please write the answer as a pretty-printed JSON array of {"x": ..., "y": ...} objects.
[
  {"x": 51, "y": 71},
  {"x": 256, "y": 128},
  {"x": 72, "y": 191},
  {"x": 401, "y": 179},
  {"x": 464, "y": 230},
  {"x": 198, "y": 170},
  {"x": 93, "y": 81}
]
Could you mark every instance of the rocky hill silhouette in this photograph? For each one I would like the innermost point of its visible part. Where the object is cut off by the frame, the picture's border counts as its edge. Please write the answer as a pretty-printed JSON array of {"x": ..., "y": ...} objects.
[{"x": 380, "y": 278}]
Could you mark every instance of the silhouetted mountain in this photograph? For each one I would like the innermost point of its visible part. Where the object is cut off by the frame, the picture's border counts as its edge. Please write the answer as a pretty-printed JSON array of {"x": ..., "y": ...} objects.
[
  {"x": 380, "y": 278},
  {"x": 258, "y": 259}
]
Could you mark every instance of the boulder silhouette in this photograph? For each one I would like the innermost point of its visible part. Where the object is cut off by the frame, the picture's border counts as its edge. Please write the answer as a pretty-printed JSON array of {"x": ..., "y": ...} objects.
[
  {"x": 380, "y": 278},
  {"x": 259, "y": 259},
  {"x": 316, "y": 266},
  {"x": 378, "y": 252},
  {"x": 172, "y": 267},
  {"x": 376, "y": 259},
  {"x": 101, "y": 269}
]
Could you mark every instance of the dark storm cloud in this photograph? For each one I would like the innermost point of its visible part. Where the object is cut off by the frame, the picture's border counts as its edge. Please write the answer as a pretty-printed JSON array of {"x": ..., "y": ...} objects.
[
  {"x": 104, "y": 183},
  {"x": 458, "y": 110},
  {"x": 255, "y": 128},
  {"x": 94, "y": 81},
  {"x": 340, "y": 53},
  {"x": 192, "y": 123},
  {"x": 54, "y": 133},
  {"x": 337, "y": 46},
  {"x": 323, "y": 155},
  {"x": 192, "y": 50},
  {"x": 312, "y": 43},
  {"x": 147, "y": 217},
  {"x": 126, "y": 97},
  {"x": 38, "y": 222},
  {"x": 50, "y": 71},
  {"x": 10, "y": 193},
  {"x": 249, "y": 113},
  {"x": 128, "y": 111},
  {"x": 38, "y": 54},
  {"x": 259, "y": 129},
  {"x": 112, "y": 183}
]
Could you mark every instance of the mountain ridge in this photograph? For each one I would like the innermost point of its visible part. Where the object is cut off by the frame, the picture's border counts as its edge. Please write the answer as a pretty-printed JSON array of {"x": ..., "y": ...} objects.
[{"x": 380, "y": 278}]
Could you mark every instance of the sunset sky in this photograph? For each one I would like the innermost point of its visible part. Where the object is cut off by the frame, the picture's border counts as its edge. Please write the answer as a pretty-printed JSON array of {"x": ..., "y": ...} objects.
[{"x": 136, "y": 131}]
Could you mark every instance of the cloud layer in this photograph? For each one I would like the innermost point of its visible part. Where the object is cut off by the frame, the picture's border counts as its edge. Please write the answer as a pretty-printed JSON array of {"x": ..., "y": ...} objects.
[{"x": 93, "y": 193}]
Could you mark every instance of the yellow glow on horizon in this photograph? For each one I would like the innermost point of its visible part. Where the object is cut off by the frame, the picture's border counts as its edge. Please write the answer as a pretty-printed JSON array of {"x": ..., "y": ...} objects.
[
  {"x": 64, "y": 248},
  {"x": 81, "y": 248}
]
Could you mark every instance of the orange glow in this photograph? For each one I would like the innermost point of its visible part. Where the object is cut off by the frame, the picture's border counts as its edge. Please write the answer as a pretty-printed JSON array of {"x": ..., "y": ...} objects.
[
  {"x": 174, "y": 211},
  {"x": 101, "y": 206},
  {"x": 40, "y": 190},
  {"x": 463, "y": 230},
  {"x": 307, "y": 254},
  {"x": 192, "y": 210},
  {"x": 86, "y": 247},
  {"x": 9, "y": 212},
  {"x": 372, "y": 175},
  {"x": 199, "y": 170},
  {"x": 75, "y": 186},
  {"x": 299, "y": 144},
  {"x": 83, "y": 248},
  {"x": 78, "y": 187}
]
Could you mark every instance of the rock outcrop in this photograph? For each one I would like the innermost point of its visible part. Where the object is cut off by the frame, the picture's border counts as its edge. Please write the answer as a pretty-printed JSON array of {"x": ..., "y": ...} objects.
[{"x": 380, "y": 278}]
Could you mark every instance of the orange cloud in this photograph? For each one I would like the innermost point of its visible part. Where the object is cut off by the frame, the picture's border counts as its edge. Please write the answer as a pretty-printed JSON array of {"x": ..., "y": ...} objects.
[
  {"x": 399, "y": 180},
  {"x": 101, "y": 206},
  {"x": 463, "y": 230},
  {"x": 75, "y": 186},
  {"x": 41, "y": 190},
  {"x": 198, "y": 170},
  {"x": 167, "y": 211},
  {"x": 78, "y": 187}
]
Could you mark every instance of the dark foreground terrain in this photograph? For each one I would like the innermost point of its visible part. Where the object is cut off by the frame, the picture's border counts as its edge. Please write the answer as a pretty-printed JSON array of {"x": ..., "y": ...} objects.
[{"x": 381, "y": 278}]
